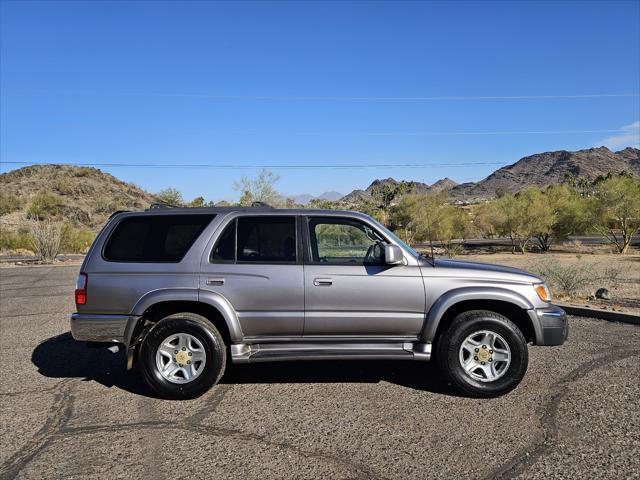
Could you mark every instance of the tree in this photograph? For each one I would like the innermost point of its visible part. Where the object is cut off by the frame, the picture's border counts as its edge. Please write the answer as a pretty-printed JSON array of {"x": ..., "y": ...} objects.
[
  {"x": 429, "y": 217},
  {"x": 538, "y": 217},
  {"x": 519, "y": 217},
  {"x": 260, "y": 189},
  {"x": 569, "y": 215},
  {"x": 170, "y": 196},
  {"x": 615, "y": 208}
]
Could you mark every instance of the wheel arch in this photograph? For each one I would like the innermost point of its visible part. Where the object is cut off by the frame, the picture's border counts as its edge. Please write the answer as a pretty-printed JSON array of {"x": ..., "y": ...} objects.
[
  {"x": 505, "y": 302},
  {"x": 160, "y": 303}
]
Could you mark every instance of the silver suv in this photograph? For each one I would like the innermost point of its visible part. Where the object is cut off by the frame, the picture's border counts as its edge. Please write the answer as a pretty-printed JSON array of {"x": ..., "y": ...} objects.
[{"x": 187, "y": 289}]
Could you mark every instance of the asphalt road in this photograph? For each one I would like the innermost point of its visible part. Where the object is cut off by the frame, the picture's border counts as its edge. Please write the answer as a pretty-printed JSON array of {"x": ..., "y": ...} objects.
[{"x": 74, "y": 412}]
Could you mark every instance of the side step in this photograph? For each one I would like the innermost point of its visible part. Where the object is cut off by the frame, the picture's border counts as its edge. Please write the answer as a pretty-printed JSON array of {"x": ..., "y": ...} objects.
[{"x": 272, "y": 352}]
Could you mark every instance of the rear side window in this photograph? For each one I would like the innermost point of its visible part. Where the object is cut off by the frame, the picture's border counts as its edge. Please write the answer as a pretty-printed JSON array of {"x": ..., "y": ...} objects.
[
  {"x": 266, "y": 239},
  {"x": 154, "y": 238},
  {"x": 258, "y": 239}
]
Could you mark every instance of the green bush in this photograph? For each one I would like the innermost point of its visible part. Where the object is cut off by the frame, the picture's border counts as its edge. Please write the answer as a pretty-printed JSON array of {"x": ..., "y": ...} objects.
[
  {"x": 44, "y": 205},
  {"x": 75, "y": 240},
  {"x": 15, "y": 241},
  {"x": 9, "y": 203}
]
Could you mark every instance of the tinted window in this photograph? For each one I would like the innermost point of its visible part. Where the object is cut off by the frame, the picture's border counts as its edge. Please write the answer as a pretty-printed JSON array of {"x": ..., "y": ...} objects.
[
  {"x": 225, "y": 249},
  {"x": 154, "y": 238},
  {"x": 266, "y": 239},
  {"x": 336, "y": 240}
]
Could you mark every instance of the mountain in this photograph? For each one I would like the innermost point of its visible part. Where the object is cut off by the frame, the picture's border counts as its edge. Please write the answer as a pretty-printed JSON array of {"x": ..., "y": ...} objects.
[
  {"x": 304, "y": 198},
  {"x": 394, "y": 189},
  {"x": 79, "y": 195},
  {"x": 539, "y": 170},
  {"x": 332, "y": 196},
  {"x": 547, "y": 168}
]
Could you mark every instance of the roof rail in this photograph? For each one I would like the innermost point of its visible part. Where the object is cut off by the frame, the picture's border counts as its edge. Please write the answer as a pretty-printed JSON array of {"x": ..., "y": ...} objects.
[
  {"x": 116, "y": 213},
  {"x": 260, "y": 205},
  {"x": 161, "y": 206}
]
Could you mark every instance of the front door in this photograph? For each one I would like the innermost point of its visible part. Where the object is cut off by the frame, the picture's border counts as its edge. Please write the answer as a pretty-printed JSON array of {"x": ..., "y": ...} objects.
[
  {"x": 255, "y": 264},
  {"x": 349, "y": 290}
]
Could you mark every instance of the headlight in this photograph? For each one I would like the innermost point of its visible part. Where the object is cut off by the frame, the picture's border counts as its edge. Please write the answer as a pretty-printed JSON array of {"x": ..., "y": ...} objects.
[{"x": 543, "y": 292}]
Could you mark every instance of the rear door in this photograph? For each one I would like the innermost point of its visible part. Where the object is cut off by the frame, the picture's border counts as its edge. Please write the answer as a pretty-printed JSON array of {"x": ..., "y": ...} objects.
[
  {"x": 349, "y": 290},
  {"x": 255, "y": 263}
]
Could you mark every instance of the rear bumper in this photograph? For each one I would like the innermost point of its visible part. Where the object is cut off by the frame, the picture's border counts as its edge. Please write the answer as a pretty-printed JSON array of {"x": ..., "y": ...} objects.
[
  {"x": 99, "y": 328},
  {"x": 553, "y": 326}
]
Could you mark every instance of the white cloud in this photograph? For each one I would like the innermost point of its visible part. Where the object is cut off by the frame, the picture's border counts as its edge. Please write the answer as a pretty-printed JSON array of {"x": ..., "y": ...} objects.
[{"x": 629, "y": 137}]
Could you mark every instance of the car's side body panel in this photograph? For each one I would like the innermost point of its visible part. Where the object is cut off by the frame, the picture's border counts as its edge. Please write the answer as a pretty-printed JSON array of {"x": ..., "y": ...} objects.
[
  {"x": 314, "y": 310},
  {"x": 363, "y": 300}
]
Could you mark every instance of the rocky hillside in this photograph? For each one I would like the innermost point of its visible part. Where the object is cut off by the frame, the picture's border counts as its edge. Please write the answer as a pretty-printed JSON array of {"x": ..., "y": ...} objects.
[
  {"x": 80, "y": 196},
  {"x": 394, "y": 189},
  {"x": 548, "y": 168},
  {"x": 539, "y": 170}
]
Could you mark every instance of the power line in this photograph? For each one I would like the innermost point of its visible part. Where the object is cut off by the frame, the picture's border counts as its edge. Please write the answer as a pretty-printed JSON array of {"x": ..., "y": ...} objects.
[
  {"x": 357, "y": 98},
  {"x": 424, "y": 134},
  {"x": 271, "y": 166}
]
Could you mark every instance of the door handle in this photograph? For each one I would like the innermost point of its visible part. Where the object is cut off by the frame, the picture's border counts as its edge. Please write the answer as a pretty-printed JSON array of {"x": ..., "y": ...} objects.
[
  {"x": 215, "y": 281},
  {"x": 322, "y": 282}
]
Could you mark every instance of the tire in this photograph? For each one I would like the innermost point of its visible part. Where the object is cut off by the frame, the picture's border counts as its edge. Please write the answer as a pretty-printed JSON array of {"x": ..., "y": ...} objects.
[
  {"x": 492, "y": 377},
  {"x": 193, "y": 337}
]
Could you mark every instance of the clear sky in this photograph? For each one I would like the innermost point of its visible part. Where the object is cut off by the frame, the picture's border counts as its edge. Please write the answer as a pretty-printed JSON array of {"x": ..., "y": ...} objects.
[{"x": 313, "y": 84}]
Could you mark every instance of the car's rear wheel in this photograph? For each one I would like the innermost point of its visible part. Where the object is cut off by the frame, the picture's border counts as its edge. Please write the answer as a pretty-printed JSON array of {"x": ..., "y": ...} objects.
[
  {"x": 183, "y": 356},
  {"x": 482, "y": 354}
]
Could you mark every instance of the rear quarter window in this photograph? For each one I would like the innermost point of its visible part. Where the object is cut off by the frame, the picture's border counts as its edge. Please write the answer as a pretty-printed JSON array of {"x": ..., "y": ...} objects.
[{"x": 154, "y": 238}]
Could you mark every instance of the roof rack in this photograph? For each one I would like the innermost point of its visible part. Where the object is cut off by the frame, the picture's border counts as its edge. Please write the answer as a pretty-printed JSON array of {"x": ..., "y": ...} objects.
[
  {"x": 116, "y": 213},
  {"x": 260, "y": 205},
  {"x": 161, "y": 206}
]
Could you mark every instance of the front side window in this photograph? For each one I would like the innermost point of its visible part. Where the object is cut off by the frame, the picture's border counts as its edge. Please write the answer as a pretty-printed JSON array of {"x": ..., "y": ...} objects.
[
  {"x": 344, "y": 241},
  {"x": 258, "y": 239},
  {"x": 154, "y": 238}
]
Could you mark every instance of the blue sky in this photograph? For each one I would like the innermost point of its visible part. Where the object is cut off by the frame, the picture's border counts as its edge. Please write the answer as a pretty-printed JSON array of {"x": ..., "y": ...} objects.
[{"x": 313, "y": 83}]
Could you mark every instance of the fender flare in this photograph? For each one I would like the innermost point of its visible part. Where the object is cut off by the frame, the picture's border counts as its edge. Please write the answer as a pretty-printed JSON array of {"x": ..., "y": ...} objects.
[
  {"x": 215, "y": 300},
  {"x": 452, "y": 297}
]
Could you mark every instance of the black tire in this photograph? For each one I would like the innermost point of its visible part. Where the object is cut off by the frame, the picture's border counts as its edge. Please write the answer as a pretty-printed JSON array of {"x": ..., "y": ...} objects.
[
  {"x": 201, "y": 329},
  {"x": 450, "y": 342}
]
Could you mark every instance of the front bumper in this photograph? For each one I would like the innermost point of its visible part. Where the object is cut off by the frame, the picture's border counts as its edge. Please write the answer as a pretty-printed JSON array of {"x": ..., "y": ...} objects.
[
  {"x": 99, "y": 328},
  {"x": 551, "y": 325}
]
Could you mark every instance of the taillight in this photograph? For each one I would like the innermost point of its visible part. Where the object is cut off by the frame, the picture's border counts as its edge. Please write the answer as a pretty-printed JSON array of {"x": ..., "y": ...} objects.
[{"x": 81, "y": 289}]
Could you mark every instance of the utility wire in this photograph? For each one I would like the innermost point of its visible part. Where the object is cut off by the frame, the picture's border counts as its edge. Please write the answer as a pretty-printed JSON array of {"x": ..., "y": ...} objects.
[
  {"x": 356, "y": 98},
  {"x": 271, "y": 166}
]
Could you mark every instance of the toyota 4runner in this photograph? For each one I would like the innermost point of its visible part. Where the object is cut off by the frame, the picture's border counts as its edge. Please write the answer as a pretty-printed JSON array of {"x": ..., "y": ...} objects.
[{"x": 186, "y": 290}]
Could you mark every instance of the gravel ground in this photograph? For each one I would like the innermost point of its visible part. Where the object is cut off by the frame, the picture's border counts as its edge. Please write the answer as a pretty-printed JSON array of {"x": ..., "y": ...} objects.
[{"x": 74, "y": 412}]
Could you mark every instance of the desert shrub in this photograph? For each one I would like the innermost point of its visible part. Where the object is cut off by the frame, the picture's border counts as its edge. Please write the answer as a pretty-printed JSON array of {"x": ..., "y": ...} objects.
[
  {"x": 75, "y": 240},
  {"x": 170, "y": 196},
  {"x": 567, "y": 280},
  {"x": 45, "y": 237},
  {"x": 44, "y": 205},
  {"x": 107, "y": 205},
  {"x": 64, "y": 186},
  {"x": 572, "y": 279},
  {"x": 9, "y": 203},
  {"x": 83, "y": 171},
  {"x": 14, "y": 241}
]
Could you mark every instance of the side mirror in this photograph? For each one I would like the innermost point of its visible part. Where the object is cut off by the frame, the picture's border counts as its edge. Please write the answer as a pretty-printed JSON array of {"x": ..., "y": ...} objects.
[{"x": 393, "y": 255}]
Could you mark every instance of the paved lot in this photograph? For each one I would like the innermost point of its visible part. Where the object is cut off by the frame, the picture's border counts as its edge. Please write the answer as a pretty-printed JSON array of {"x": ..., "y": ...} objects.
[{"x": 74, "y": 412}]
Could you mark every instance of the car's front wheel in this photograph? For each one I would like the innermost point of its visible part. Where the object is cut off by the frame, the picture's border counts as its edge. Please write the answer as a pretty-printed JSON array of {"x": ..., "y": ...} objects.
[
  {"x": 482, "y": 354},
  {"x": 183, "y": 356}
]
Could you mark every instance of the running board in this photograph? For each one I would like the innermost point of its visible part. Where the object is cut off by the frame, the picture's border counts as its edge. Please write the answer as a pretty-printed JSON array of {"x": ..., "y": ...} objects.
[{"x": 273, "y": 352}]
